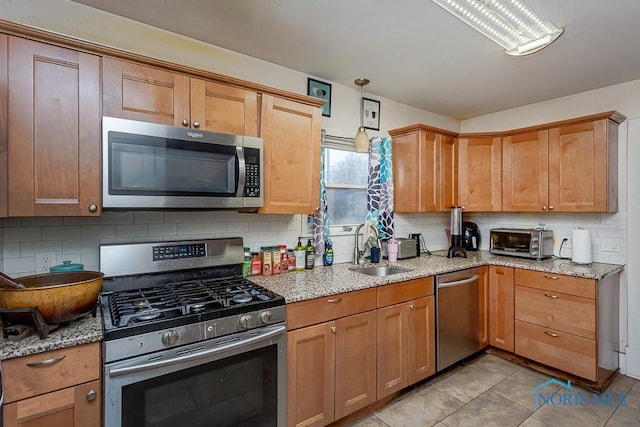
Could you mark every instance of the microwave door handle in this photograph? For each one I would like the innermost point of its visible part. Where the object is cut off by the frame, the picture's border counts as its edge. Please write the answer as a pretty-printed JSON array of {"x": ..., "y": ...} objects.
[{"x": 242, "y": 171}]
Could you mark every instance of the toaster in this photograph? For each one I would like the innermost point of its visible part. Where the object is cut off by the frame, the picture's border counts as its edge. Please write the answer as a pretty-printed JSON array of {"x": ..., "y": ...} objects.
[{"x": 406, "y": 248}]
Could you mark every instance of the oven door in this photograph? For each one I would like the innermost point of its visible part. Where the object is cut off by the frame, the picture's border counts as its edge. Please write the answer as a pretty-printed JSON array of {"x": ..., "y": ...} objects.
[{"x": 236, "y": 380}]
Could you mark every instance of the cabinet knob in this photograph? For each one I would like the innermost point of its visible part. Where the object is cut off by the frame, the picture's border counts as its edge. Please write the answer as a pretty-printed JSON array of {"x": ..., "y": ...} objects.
[
  {"x": 91, "y": 395},
  {"x": 185, "y": 122},
  {"x": 464, "y": 208},
  {"x": 551, "y": 334},
  {"x": 552, "y": 296},
  {"x": 334, "y": 329},
  {"x": 412, "y": 307},
  {"x": 196, "y": 124},
  {"x": 544, "y": 208},
  {"x": 93, "y": 208},
  {"x": 550, "y": 207}
]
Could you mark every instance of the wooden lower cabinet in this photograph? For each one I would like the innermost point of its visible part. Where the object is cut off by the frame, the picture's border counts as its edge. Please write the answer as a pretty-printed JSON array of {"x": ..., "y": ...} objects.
[
  {"x": 483, "y": 307},
  {"x": 58, "y": 388},
  {"x": 501, "y": 307},
  {"x": 331, "y": 370}
]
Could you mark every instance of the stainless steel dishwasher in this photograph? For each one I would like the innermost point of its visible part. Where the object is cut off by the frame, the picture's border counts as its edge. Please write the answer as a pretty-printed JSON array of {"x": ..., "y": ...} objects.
[{"x": 457, "y": 316}]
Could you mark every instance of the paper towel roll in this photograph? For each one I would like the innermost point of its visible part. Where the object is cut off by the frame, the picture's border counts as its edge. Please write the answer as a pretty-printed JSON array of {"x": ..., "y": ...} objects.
[{"x": 581, "y": 244}]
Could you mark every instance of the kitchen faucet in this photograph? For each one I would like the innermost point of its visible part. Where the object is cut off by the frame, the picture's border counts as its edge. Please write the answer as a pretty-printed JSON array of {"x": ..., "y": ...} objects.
[{"x": 357, "y": 253}]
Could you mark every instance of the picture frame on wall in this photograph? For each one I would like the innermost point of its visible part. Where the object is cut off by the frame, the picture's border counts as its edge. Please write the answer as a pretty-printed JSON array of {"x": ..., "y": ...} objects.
[
  {"x": 321, "y": 90},
  {"x": 371, "y": 114}
]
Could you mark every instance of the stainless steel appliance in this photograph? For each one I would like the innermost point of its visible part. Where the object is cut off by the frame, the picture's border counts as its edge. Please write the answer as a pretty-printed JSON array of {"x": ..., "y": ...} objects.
[
  {"x": 457, "y": 243},
  {"x": 471, "y": 236},
  {"x": 521, "y": 242},
  {"x": 188, "y": 340},
  {"x": 457, "y": 316},
  {"x": 147, "y": 165},
  {"x": 406, "y": 248}
]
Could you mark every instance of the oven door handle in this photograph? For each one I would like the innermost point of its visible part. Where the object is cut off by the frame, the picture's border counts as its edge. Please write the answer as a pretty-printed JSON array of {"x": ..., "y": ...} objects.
[{"x": 116, "y": 372}]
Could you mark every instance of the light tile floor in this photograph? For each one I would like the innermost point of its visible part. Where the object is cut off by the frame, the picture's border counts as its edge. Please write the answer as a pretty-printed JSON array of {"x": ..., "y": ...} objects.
[{"x": 490, "y": 391}]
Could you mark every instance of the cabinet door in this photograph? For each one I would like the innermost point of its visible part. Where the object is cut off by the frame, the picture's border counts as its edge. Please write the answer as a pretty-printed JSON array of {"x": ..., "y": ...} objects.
[
  {"x": 579, "y": 172},
  {"x": 291, "y": 134},
  {"x": 78, "y": 406},
  {"x": 355, "y": 379},
  {"x": 392, "y": 350},
  {"x": 525, "y": 172},
  {"x": 421, "y": 345},
  {"x": 448, "y": 174},
  {"x": 137, "y": 92},
  {"x": 54, "y": 137},
  {"x": 483, "y": 307},
  {"x": 221, "y": 108},
  {"x": 501, "y": 307},
  {"x": 310, "y": 375},
  {"x": 4, "y": 173},
  {"x": 480, "y": 173},
  {"x": 406, "y": 171}
]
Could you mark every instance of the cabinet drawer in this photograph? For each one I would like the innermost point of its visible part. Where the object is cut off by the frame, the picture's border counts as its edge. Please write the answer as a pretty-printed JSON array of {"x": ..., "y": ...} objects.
[
  {"x": 318, "y": 310},
  {"x": 32, "y": 375},
  {"x": 577, "y": 286},
  {"x": 404, "y": 291},
  {"x": 567, "y": 313},
  {"x": 557, "y": 349}
]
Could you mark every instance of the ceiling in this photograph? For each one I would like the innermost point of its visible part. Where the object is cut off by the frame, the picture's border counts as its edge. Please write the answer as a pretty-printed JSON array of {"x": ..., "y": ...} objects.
[{"x": 413, "y": 51}]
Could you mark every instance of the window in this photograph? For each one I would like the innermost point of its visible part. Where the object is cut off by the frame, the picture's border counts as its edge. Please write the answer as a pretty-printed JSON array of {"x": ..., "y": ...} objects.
[{"x": 345, "y": 182}]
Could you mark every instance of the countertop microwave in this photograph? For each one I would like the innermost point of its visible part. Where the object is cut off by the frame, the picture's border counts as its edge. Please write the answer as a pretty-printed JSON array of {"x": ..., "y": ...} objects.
[
  {"x": 521, "y": 242},
  {"x": 152, "y": 166}
]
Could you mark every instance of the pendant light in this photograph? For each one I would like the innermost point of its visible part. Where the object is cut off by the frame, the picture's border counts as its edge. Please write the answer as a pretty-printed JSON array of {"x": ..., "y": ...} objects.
[{"x": 362, "y": 139}]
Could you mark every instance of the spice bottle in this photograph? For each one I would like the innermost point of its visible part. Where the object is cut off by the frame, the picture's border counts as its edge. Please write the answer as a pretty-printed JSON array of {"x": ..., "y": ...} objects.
[
  {"x": 265, "y": 252},
  {"x": 256, "y": 264},
  {"x": 275, "y": 260},
  {"x": 291, "y": 260},
  {"x": 310, "y": 255},
  {"x": 246, "y": 265},
  {"x": 284, "y": 258}
]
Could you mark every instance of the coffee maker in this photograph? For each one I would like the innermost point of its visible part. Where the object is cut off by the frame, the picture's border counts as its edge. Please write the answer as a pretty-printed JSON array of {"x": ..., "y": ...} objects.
[{"x": 457, "y": 242}]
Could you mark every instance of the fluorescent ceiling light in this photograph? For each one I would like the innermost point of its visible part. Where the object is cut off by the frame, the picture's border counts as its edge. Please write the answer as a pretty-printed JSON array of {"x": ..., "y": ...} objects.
[{"x": 513, "y": 24}]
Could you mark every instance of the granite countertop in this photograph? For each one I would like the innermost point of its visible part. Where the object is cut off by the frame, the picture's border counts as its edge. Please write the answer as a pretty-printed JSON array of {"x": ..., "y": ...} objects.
[
  {"x": 338, "y": 278},
  {"x": 84, "y": 330}
]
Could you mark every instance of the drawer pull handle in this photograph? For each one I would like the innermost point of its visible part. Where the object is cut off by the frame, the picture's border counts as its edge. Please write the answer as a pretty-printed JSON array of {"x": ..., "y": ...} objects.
[
  {"x": 551, "y": 296},
  {"x": 334, "y": 300},
  {"x": 334, "y": 329},
  {"x": 91, "y": 395},
  {"x": 551, "y": 334},
  {"x": 551, "y": 277},
  {"x": 47, "y": 362}
]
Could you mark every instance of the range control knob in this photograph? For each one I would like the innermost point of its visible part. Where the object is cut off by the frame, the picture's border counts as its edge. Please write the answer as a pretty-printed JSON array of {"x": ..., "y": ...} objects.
[
  {"x": 245, "y": 320},
  {"x": 266, "y": 317},
  {"x": 170, "y": 338}
]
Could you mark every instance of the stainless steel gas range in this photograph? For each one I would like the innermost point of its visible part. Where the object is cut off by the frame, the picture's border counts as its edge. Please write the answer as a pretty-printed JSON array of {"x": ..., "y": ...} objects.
[{"x": 188, "y": 340}]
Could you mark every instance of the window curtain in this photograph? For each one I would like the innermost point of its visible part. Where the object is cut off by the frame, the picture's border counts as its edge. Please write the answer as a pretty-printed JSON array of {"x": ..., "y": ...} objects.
[
  {"x": 380, "y": 186},
  {"x": 321, "y": 231}
]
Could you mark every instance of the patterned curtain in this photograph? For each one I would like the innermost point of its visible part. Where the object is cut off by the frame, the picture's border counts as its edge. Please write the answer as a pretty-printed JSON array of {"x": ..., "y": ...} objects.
[
  {"x": 380, "y": 186},
  {"x": 321, "y": 231}
]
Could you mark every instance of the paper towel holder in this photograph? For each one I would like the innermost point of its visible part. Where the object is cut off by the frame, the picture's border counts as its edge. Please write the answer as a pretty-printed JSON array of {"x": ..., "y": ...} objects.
[{"x": 581, "y": 250}]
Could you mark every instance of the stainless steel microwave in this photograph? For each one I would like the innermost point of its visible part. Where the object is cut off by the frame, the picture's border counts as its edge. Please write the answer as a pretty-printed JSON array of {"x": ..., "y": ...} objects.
[
  {"x": 521, "y": 242},
  {"x": 150, "y": 166}
]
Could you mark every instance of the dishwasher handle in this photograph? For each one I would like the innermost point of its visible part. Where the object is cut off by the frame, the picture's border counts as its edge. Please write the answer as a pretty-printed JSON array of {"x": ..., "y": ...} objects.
[{"x": 459, "y": 282}]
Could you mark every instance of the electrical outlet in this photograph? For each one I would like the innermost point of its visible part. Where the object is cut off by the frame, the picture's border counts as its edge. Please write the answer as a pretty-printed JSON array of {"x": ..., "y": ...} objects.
[
  {"x": 610, "y": 245},
  {"x": 44, "y": 260}
]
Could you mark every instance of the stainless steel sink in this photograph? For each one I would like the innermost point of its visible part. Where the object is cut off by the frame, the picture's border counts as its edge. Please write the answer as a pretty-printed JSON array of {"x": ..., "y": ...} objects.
[{"x": 380, "y": 270}]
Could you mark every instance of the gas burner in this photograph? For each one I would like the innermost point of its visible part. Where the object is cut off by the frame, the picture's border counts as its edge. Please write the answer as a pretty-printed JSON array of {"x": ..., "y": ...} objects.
[
  {"x": 197, "y": 308},
  {"x": 242, "y": 298},
  {"x": 140, "y": 303},
  {"x": 143, "y": 316}
]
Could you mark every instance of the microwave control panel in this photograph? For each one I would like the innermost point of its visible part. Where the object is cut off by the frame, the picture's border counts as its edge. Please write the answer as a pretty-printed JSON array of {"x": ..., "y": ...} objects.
[{"x": 252, "y": 172}]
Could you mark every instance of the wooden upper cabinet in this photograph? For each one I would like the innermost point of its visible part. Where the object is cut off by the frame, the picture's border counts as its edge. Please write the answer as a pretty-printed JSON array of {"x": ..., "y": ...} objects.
[
  {"x": 480, "y": 173},
  {"x": 583, "y": 167},
  {"x": 54, "y": 137},
  {"x": 525, "y": 171},
  {"x": 424, "y": 169},
  {"x": 139, "y": 92},
  {"x": 4, "y": 93},
  {"x": 291, "y": 134}
]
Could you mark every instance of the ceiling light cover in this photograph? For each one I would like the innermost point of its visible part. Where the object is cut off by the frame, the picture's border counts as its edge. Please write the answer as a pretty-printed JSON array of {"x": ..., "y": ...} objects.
[{"x": 513, "y": 24}]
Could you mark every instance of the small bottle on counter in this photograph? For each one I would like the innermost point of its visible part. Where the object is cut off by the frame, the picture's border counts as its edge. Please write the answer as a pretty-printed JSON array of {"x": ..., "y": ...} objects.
[
  {"x": 310, "y": 255},
  {"x": 276, "y": 260},
  {"x": 246, "y": 265},
  {"x": 256, "y": 264},
  {"x": 327, "y": 258},
  {"x": 265, "y": 254},
  {"x": 284, "y": 258},
  {"x": 299, "y": 253},
  {"x": 291, "y": 260}
]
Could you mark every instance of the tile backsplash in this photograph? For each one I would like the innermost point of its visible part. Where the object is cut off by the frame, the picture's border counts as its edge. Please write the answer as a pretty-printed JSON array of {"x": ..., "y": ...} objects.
[{"x": 78, "y": 239}]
